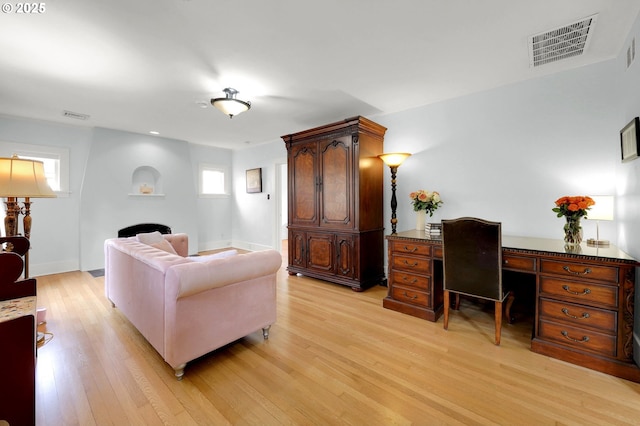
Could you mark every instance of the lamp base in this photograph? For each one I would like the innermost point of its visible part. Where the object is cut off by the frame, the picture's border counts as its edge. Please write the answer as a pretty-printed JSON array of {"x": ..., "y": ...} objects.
[{"x": 597, "y": 243}]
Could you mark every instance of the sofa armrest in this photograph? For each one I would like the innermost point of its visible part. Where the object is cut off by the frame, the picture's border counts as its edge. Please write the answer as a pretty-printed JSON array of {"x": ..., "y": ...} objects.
[{"x": 194, "y": 277}]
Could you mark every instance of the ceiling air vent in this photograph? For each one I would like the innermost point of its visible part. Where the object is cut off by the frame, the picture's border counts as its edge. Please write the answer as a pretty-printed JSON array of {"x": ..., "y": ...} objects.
[
  {"x": 75, "y": 115},
  {"x": 561, "y": 43}
]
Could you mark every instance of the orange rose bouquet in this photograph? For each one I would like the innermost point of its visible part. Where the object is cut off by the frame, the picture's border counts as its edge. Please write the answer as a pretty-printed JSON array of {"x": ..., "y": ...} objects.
[{"x": 574, "y": 207}]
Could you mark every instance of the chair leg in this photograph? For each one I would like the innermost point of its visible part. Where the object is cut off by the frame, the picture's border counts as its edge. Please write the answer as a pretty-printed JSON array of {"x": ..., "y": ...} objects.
[
  {"x": 446, "y": 309},
  {"x": 498, "y": 315},
  {"x": 456, "y": 304},
  {"x": 507, "y": 310}
]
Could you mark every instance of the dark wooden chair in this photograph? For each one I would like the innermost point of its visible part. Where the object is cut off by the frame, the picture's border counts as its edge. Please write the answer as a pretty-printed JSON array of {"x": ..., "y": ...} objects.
[
  {"x": 143, "y": 228},
  {"x": 472, "y": 263},
  {"x": 13, "y": 252},
  {"x": 11, "y": 268}
]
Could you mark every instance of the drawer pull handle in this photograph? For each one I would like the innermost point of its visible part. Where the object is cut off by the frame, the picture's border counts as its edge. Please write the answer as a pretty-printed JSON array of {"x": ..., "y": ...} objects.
[
  {"x": 412, "y": 265},
  {"x": 406, "y": 279},
  {"x": 410, "y": 250},
  {"x": 584, "y": 339},
  {"x": 584, "y": 292},
  {"x": 585, "y": 272},
  {"x": 585, "y": 315},
  {"x": 414, "y": 297}
]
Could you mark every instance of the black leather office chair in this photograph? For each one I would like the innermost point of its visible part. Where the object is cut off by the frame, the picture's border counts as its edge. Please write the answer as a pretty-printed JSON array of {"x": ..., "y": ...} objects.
[
  {"x": 472, "y": 263},
  {"x": 143, "y": 228}
]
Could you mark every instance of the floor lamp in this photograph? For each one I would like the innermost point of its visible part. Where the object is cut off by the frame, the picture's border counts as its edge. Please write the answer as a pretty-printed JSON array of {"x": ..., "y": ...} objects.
[
  {"x": 22, "y": 178},
  {"x": 393, "y": 160}
]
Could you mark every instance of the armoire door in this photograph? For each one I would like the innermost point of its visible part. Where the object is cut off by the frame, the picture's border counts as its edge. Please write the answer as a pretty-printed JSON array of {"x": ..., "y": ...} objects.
[
  {"x": 336, "y": 183},
  {"x": 304, "y": 185}
]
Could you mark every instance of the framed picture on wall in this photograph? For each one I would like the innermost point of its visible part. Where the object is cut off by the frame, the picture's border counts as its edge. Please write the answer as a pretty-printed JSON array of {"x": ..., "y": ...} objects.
[
  {"x": 254, "y": 180},
  {"x": 630, "y": 140}
]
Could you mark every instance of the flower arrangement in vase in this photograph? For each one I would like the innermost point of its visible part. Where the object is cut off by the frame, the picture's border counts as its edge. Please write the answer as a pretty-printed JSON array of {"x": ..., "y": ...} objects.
[
  {"x": 424, "y": 202},
  {"x": 573, "y": 208}
]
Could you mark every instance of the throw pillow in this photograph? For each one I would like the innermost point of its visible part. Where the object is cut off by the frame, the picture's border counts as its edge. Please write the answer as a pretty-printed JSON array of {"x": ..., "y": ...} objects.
[
  {"x": 164, "y": 245},
  {"x": 208, "y": 257},
  {"x": 150, "y": 237}
]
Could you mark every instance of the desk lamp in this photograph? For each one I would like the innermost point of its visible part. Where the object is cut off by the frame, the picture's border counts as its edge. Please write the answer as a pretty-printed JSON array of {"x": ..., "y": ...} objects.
[
  {"x": 601, "y": 210},
  {"x": 393, "y": 160}
]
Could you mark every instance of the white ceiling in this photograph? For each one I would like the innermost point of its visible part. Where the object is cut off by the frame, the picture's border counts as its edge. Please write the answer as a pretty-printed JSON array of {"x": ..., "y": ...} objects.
[{"x": 143, "y": 65}]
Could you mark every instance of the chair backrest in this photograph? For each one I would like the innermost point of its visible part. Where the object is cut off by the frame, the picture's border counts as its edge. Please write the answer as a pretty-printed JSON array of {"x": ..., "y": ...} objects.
[
  {"x": 11, "y": 267},
  {"x": 472, "y": 257},
  {"x": 143, "y": 228},
  {"x": 17, "y": 244}
]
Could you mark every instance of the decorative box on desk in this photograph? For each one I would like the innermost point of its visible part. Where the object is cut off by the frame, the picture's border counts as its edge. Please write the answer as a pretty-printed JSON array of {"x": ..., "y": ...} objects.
[{"x": 584, "y": 297}]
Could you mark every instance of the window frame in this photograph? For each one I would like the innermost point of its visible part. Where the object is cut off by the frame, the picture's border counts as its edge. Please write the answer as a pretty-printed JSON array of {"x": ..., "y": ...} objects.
[
  {"x": 8, "y": 149},
  {"x": 202, "y": 167}
]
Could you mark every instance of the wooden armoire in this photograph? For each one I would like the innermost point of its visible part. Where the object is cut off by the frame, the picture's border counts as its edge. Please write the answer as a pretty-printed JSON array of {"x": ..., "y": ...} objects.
[{"x": 335, "y": 210}]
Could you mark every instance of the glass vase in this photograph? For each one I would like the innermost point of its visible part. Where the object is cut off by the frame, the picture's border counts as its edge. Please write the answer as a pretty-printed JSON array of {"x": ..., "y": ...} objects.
[{"x": 572, "y": 232}]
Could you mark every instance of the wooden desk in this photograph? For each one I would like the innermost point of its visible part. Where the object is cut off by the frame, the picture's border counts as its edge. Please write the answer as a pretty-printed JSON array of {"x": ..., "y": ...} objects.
[
  {"x": 584, "y": 298},
  {"x": 17, "y": 358}
]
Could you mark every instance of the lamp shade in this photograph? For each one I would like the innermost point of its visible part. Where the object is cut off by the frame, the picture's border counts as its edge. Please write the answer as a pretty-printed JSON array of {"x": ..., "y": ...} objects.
[
  {"x": 229, "y": 104},
  {"x": 602, "y": 209},
  {"x": 23, "y": 178},
  {"x": 394, "y": 159}
]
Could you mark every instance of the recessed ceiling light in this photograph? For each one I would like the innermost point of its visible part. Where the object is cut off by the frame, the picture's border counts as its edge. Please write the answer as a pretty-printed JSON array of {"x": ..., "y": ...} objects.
[
  {"x": 153, "y": 132},
  {"x": 202, "y": 104}
]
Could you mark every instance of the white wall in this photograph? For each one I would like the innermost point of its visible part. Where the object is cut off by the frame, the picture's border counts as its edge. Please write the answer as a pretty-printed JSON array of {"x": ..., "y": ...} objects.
[
  {"x": 213, "y": 214},
  {"x": 509, "y": 153},
  {"x": 254, "y": 215},
  {"x": 54, "y": 232},
  {"x": 106, "y": 201}
]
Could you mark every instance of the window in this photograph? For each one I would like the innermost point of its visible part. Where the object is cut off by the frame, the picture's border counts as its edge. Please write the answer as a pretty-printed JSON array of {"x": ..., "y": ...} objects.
[
  {"x": 214, "y": 181},
  {"x": 55, "y": 159}
]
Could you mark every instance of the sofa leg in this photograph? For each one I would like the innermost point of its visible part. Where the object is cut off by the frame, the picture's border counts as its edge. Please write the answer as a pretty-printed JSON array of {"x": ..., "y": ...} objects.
[
  {"x": 265, "y": 332},
  {"x": 180, "y": 371}
]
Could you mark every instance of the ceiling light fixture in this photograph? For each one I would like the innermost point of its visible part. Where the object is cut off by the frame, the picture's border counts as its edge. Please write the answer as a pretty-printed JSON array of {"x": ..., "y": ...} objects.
[{"x": 230, "y": 105}]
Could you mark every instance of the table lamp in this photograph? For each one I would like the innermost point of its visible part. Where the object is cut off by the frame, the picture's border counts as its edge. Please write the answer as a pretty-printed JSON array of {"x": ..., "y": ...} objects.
[
  {"x": 393, "y": 160},
  {"x": 601, "y": 210}
]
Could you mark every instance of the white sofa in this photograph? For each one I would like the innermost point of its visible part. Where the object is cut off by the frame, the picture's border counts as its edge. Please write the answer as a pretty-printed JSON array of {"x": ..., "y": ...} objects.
[{"x": 187, "y": 307}]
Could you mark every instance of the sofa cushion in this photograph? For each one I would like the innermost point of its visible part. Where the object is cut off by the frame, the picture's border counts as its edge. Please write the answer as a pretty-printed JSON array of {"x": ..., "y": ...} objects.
[
  {"x": 150, "y": 237},
  {"x": 208, "y": 257},
  {"x": 165, "y": 246}
]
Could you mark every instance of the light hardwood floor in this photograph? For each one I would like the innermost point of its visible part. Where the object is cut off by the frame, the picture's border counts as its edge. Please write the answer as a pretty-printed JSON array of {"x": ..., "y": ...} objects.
[{"x": 333, "y": 357}]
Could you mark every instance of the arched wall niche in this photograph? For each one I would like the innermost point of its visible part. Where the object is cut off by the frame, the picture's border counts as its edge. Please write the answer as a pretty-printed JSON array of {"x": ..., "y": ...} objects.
[{"x": 147, "y": 181}]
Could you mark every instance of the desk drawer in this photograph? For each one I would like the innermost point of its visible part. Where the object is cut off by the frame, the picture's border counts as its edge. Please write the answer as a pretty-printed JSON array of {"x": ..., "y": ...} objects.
[
  {"x": 412, "y": 264},
  {"x": 411, "y": 248},
  {"x": 578, "y": 315},
  {"x": 580, "y": 270},
  {"x": 580, "y": 292},
  {"x": 408, "y": 295},
  {"x": 420, "y": 282},
  {"x": 578, "y": 338},
  {"x": 519, "y": 263}
]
